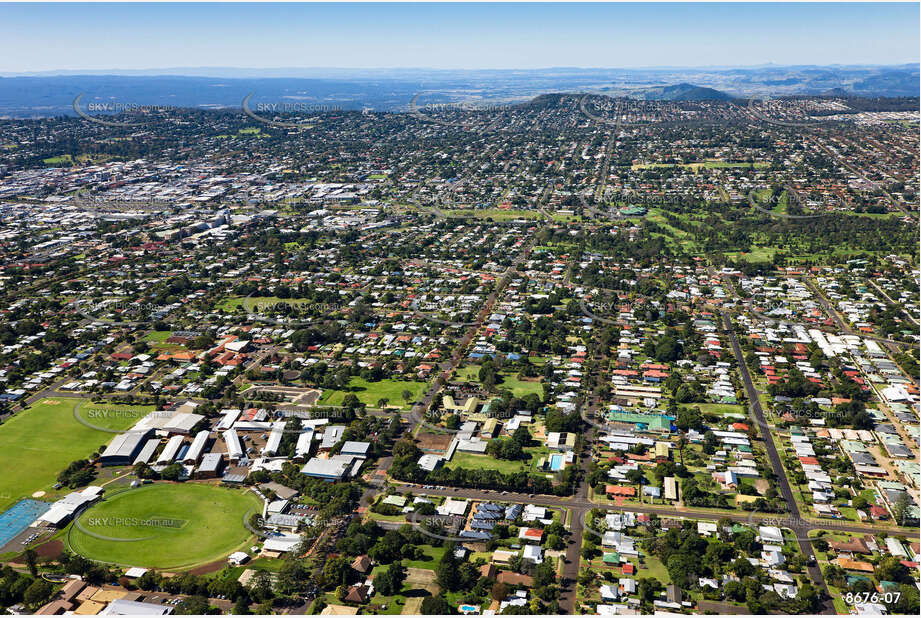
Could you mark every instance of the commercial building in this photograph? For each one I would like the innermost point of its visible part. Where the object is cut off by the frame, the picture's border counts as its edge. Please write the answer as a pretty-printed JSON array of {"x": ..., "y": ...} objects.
[
  {"x": 124, "y": 448},
  {"x": 335, "y": 468}
]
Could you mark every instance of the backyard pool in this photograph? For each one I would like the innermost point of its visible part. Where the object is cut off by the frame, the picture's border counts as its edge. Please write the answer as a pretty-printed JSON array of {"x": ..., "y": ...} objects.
[{"x": 556, "y": 462}]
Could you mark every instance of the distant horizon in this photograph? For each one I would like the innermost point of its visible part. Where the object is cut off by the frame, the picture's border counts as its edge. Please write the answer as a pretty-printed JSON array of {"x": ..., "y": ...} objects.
[
  {"x": 170, "y": 71},
  {"x": 35, "y": 38}
]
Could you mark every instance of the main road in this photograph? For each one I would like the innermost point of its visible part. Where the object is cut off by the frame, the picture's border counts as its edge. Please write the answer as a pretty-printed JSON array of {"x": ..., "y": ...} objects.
[{"x": 815, "y": 573}]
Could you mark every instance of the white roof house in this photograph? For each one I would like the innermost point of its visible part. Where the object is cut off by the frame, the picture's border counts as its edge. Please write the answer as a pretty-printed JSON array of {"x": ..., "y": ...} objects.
[
  {"x": 770, "y": 534},
  {"x": 533, "y": 553}
]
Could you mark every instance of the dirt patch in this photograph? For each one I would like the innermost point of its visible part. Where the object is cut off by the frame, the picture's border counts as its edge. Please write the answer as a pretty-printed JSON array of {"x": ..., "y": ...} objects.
[
  {"x": 761, "y": 485},
  {"x": 721, "y": 608},
  {"x": 413, "y": 606},
  {"x": 434, "y": 442},
  {"x": 211, "y": 567},
  {"x": 423, "y": 579},
  {"x": 51, "y": 549},
  {"x": 416, "y": 576}
]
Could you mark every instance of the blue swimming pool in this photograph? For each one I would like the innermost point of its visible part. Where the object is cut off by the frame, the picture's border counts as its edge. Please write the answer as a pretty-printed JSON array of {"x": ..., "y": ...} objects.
[
  {"x": 18, "y": 517},
  {"x": 556, "y": 462},
  {"x": 470, "y": 609}
]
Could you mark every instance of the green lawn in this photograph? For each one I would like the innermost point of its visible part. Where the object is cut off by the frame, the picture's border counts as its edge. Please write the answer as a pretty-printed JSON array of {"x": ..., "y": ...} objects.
[
  {"x": 757, "y": 254},
  {"x": 510, "y": 381},
  {"x": 718, "y": 408},
  {"x": 257, "y": 303},
  {"x": 433, "y": 556},
  {"x": 520, "y": 388},
  {"x": 470, "y": 373},
  {"x": 486, "y": 462},
  {"x": 157, "y": 336},
  {"x": 370, "y": 392},
  {"x": 165, "y": 525},
  {"x": 654, "y": 568},
  {"x": 496, "y": 214},
  {"x": 65, "y": 158},
  {"x": 39, "y": 442},
  {"x": 396, "y": 603}
]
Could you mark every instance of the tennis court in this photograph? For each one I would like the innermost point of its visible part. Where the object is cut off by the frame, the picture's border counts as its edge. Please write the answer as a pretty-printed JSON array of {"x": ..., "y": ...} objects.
[{"x": 18, "y": 517}]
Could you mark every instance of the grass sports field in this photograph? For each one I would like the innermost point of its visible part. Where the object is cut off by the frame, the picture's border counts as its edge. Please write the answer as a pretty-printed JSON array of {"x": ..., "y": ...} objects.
[
  {"x": 39, "y": 442},
  {"x": 165, "y": 525}
]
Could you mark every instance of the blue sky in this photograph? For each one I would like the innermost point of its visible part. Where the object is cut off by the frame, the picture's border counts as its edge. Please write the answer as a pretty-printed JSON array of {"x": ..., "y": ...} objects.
[{"x": 452, "y": 36}]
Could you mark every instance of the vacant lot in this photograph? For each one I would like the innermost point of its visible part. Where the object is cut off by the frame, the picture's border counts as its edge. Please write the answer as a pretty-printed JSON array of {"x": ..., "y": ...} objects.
[
  {"x": 488, "y": 462},
  {"x": 369, "y": 393}
]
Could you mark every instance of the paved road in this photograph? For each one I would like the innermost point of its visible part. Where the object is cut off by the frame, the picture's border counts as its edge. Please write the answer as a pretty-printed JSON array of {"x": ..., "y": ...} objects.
[
  {"x": 786, "y": 491},
  {"x": 892, "y": 302},
  {"x": 826, "y": 304},
  {"x": 847, "y": 165},
  {"x": 581, "y": 505}
]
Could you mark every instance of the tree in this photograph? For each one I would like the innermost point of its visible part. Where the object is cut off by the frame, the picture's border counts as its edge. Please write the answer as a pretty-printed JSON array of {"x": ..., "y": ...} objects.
[
  {"x": 351, "y": 402},
  {"x": 447, "y": 570},
  {"x": 648, "y": 588},
  {"x": 892, "y": 570},
  {"x": 337, "y": 571},
  {"x": 555, "y": 542},
  {"x": 149, "y": 580},
  {"x": 171, "y": 472},
  {"x": 907, "y": 602},
  {"x": 544, "y": 574},
  {"x": 436, "y": 605},
  {"x": 30, "y": 558},
  {"x": 667, "y": 350},
  {"x": 391, "y": 581},
  {"x": 194, "y": 606},
  {"x": 37, "y": 593},
  {"x": 808, "y": 598},
  {"x": 689, "y": 418},
  {"x": 900, "y": 508},
  {"x": 683, "y": 568},
  {"x": 499, "y": 591},
  {"x": 241, "y": 607},
  {"x": 522, "y": 436},
  {"x": 635, "y": 476},
  {"x": 734, "y": 591},
  {"x": 261, "y": 586},
  {"x": 406, "y": 448}
]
